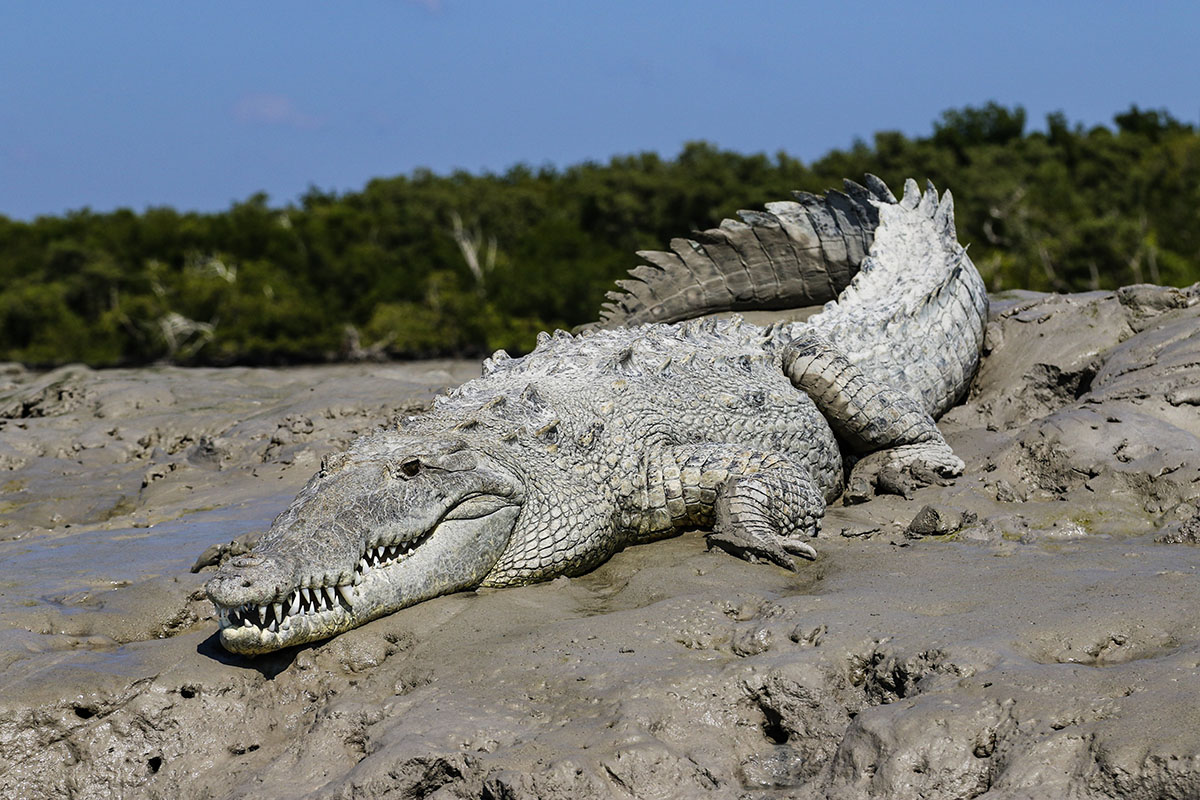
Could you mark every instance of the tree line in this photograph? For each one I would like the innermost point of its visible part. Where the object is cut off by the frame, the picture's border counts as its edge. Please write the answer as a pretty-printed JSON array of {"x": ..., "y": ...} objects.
[{"x": 427, "y": 265}]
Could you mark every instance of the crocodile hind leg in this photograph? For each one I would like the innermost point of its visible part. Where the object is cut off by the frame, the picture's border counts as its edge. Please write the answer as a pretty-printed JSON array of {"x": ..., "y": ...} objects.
[
  {"x": 759, "y": 503},
  {"x": 900, "y": 445}
]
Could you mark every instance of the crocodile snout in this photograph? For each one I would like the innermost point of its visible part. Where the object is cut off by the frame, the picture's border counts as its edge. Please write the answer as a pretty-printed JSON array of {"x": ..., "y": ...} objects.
[{"x": 250, "y": 578}]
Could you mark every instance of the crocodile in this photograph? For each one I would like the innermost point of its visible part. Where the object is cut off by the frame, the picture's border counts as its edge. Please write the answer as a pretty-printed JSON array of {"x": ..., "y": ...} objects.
[{"x": 644, "y": 426}]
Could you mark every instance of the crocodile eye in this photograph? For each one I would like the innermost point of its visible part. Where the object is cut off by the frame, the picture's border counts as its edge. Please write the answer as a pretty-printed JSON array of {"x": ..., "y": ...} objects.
[{"x": 410, "y": 467}]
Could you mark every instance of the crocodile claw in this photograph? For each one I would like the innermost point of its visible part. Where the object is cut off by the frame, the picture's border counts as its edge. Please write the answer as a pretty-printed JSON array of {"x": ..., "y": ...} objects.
[{"x": 778, "y": 551}]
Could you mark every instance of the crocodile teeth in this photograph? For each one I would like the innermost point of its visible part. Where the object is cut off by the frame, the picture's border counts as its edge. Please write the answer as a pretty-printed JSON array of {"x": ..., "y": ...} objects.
[
  {"x": 331, "y": 593},
  {"x": 278, "y": 609},
  {"x": 306, "y": 593},
  {"x": 347, "y": 593},
  {"x": 262, "y": 614},
  {"x": 295, "y": 609},
  {"x": 358, "y": 578}
]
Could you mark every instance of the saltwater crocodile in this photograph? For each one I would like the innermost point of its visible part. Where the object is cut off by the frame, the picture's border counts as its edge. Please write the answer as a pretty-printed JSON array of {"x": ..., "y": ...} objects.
[{"x": 643, "y": 428}]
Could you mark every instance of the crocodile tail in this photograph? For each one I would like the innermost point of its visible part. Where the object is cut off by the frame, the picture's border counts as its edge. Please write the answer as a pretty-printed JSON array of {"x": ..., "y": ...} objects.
[
  {"x": 796, "y": 253},
  {"x": 914, "y": 315}
]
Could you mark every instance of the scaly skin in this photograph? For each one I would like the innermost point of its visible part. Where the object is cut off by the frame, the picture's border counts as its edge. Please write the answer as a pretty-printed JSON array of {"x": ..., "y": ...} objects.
[{"x": 549, "y": 463}]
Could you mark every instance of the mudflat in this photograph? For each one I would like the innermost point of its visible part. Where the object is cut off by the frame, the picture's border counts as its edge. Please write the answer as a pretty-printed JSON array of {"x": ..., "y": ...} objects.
[{"x": 1029, "y": 630}]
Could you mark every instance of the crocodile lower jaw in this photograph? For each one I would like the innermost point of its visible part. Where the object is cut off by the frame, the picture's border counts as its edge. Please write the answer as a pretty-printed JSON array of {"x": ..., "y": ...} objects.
[{"x": 307, "y": 614}]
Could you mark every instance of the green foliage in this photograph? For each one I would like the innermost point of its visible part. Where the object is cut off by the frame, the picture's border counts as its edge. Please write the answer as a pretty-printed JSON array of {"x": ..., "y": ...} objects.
[
  {"x": 428, "y": 265},
  {"x": 963, "y": 129}
]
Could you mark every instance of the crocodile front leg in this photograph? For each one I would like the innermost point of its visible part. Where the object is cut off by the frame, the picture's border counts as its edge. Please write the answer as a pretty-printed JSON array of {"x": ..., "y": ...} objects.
[
  {"x": 761, "y": 516},
  {"x": 901, "y": 445},
  {"x": 758, "y": 503}
]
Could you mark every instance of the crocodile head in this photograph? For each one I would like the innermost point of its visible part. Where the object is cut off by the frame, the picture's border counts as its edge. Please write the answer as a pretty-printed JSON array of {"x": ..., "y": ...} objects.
[{"x": 395, "y": 520}]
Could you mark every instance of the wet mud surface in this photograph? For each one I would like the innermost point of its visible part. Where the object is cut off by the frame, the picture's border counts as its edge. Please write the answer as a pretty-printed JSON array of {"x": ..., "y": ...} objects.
[{"x": 1030, "y": 630}]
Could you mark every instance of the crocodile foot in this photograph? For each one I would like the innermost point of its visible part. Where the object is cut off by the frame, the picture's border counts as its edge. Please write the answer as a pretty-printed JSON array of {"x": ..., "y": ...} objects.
[
  {"x": 762, "y": 517},
  {"x": 776, "y": 549},
  {"x": 901, "y": 470}
]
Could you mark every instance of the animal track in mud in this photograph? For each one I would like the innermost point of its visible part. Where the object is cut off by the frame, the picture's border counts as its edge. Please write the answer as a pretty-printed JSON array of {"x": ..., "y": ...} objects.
[{"x": 883, "y": 676}]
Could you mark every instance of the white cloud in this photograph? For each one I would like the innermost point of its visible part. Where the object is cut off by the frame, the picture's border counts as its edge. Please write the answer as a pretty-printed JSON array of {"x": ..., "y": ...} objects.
[{"x": 272, "y": 109}]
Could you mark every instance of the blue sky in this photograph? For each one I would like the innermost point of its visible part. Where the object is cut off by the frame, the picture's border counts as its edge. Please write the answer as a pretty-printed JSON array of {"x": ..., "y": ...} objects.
[{"x": 196, "y": 105}]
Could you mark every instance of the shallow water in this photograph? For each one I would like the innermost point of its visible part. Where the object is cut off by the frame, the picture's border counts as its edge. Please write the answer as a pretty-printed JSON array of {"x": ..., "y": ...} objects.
[{"x": 58, "y": 570}]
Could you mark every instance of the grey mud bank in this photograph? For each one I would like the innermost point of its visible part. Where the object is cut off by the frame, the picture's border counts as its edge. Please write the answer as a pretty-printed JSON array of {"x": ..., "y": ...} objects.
[{"x": 1035, "y": 635}]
